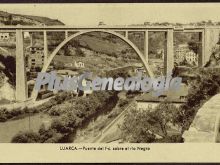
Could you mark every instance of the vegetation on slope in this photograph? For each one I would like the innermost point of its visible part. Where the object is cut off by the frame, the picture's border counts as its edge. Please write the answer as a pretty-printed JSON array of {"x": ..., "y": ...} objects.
[
  {"x": 72, "y": 118},
  {"x": 9, "y": 67},
  {"x": 205, "y": 85},
  {"x": 145, "y": 126},
  {"x": 141, "y": 126}
]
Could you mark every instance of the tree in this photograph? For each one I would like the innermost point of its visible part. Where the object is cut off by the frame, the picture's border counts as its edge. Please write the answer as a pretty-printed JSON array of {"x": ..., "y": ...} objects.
[
  {"x": 37, "y": 69},
  {"x": 163, "y": 114},
  {"x": 59, "y": 65},
  {"x": 80, "y": 53},
  {"x": 143, "y": 126},
  {"x": 67, "y": 51},
  {"x": 193, "y": 45},
  {"x": 210, "y": 23},
  {"x": 10, "y": 19},
  {"x": 63, "y": 125},
  {"x": 26, "y": 137},
  {"x": 136, "y": 127},
  {"x": 42, "y": 129}
]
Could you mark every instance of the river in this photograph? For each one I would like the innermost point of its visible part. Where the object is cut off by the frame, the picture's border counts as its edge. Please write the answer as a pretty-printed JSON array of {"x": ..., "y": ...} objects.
[{"x": 10, "y": 128}]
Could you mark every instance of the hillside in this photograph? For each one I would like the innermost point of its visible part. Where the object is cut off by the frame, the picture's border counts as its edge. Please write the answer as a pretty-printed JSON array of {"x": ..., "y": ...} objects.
[
  {"x": 7, "y": 50},
  {"x": 14, "y": 19}
]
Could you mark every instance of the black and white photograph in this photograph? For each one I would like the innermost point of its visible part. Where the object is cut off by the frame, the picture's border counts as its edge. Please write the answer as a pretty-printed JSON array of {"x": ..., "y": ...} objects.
[{"x": 110, "y": 73}]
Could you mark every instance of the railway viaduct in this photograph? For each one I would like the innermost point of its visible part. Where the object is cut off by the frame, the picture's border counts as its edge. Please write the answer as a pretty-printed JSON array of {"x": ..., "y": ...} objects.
[{"x": 208, "y": 37}]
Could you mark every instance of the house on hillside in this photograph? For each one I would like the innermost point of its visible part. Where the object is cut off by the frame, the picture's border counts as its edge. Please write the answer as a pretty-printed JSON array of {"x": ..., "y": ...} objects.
[
  {"x": 191, "y": 58},
  {"x": 149, "y": 100},
  {"x": 65, "y": 72},
  {"x": 183, "y": 55},
  {"x": 79, "y": 64},
  {"x": 35, "y": 57},
  {"x": 180, "y": 52}
]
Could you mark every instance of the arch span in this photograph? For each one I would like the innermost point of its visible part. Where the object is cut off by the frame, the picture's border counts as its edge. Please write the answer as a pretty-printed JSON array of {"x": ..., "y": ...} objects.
[{"x": 49, "y": 60}]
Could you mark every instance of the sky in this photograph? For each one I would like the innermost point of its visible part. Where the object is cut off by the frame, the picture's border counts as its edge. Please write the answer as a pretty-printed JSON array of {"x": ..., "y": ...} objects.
[{"x": 119, "y": 14}]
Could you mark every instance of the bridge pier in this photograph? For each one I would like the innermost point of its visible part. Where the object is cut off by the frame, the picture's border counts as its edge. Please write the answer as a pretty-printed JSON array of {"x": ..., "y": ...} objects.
[
  {"x": 146, "y": 45},
  {"x": 45, "y": 47},
  {"x": 31, "y": 38},
  {"x": 66, "y": 34},
  {"x": 201, "y": 60},
  {"x": 126, "y": 34},
  {"x": 211, "y": 39},
  {"x": 21, "y": 80},
  {"x": 168, "y": 53}
]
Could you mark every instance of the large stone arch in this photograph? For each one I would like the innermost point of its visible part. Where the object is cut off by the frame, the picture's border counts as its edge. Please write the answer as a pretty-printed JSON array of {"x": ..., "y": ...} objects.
[{"x": 50, "y": 58}]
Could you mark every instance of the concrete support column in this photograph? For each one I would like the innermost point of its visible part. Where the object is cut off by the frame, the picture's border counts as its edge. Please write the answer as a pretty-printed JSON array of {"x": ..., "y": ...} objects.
[
  {"x": 45, "y": 47},
  {"x": 126, "y": 34},
  {"x": 21, "y": 80},
  {"x": 146, "y": 45},
  {"x": 168, "y": 54},
  {"x": 201, "y": 51},
  {"x": 31, "y": 38},
  {"x": 66, "y": 34}
]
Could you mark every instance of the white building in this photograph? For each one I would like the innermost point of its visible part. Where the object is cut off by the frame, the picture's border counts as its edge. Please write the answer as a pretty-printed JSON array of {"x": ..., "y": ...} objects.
[
  {"x": 35, "y": 56},
  {"x": 26, "y": 35},
  {"x": 183, "y": 52},
  {"x": 191, "y": 57},
  {"x": 180, "y": 52},
  {"x": 160, "y": 53},
  {"x": 148, "y": 101},
  {"x": 79, "y": 64}
]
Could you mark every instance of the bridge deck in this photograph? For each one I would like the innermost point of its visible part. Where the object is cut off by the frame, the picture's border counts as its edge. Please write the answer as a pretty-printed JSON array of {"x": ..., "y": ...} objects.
[{"x": 115, "y": 27}]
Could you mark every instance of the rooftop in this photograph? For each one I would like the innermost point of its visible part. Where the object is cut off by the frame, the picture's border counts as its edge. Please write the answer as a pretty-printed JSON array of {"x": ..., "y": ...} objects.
[
  {"x": 35, "y": 46},
  {"x": 170, "y": 96},
  {"x": 69, "y": 72}
]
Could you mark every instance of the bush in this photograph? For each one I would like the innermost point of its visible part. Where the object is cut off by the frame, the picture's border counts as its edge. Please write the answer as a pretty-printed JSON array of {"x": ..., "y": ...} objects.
[
  {"x": 6, "y": 114},
  {"x": 57, "y": 137},
  {"x": 55, "y": 111},
  {"x": 63, "y": 125},
  {"x": 17, "y": 112},
  {"x": 26, "y": 137},
  {"x": 123, "y": 102},
  {"x": 3, "y": 116},
  {"x": 136, "y": 127},
  {"x": 171, "y": 139}
]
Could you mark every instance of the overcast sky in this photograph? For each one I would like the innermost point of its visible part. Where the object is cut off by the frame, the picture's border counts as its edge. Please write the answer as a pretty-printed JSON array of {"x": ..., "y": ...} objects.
[{"x": 119, "y": 14}]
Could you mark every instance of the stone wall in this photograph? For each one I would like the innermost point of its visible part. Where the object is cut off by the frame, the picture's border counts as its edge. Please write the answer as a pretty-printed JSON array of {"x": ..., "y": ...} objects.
[{"x": 205, "y": 126}]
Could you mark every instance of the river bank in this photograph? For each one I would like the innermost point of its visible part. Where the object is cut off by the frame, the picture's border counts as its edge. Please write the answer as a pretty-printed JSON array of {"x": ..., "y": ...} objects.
[{"x": 33, "y": 122}]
